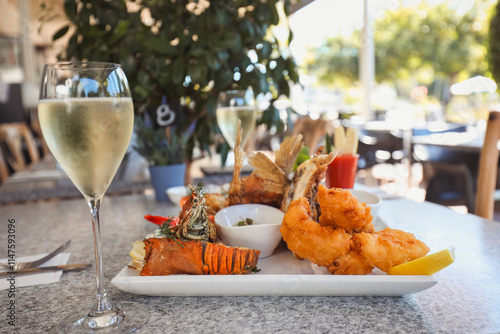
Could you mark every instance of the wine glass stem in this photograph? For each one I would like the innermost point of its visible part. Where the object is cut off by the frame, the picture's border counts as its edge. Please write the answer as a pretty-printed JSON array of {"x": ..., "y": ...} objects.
[{"x": 103, "y": 304}]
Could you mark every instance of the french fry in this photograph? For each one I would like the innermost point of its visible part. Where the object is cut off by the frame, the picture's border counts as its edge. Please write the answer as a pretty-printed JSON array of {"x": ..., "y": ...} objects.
[
  {"x": 351, "y": 141},
  {"x": 339, "y": 139}
]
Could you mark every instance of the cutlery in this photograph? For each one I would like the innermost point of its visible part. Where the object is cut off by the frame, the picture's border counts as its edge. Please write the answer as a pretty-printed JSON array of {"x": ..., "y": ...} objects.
[
  {"x": 41, "y": 270},
  {"x": 34, "y": 264}
]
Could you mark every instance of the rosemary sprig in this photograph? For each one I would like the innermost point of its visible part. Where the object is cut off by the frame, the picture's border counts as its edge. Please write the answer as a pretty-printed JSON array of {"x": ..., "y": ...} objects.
[
  {"x": 166, "y": 230},
  {"x": 201, "y": 188}
]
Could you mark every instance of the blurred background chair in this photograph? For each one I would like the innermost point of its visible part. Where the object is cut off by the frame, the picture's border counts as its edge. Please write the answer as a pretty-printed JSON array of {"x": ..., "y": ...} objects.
[
  {"x": 451, "y": 185},
  {"x": 4, "y": 170},
  {"x": 18, "y": 146},
  {"x": 488, "y": 168},
  {"x": 449, "y": 172}
]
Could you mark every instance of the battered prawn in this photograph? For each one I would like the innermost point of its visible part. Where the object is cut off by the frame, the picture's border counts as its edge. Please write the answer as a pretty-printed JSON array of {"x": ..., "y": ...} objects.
[
  {"x": 340, "y": 251},
  {"x": 309, "y": 240},
  {"x": 389, "y": 247},
  {"x": 339, "y": 208}
]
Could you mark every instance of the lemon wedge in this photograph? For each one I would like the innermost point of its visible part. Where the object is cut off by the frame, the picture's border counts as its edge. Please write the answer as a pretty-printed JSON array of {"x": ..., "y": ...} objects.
[
  {"x": 426, "y": 265},
  {"x": 138, "y": 252}
]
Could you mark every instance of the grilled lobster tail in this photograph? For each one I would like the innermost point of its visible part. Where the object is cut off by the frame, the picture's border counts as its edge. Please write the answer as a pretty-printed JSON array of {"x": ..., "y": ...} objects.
[{"x": 170, "y": 257}]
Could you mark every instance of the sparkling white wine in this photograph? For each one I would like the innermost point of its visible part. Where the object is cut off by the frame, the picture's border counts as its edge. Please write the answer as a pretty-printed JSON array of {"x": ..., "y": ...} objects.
[
  {"x": 88, "y": 137},
  {"x": 227, "y": 119}
]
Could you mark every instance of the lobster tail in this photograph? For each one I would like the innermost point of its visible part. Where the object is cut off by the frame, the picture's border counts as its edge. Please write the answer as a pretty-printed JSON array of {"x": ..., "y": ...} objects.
[
  {"x": 173, "y": 257},
  {"x": 219, "y": 259}
]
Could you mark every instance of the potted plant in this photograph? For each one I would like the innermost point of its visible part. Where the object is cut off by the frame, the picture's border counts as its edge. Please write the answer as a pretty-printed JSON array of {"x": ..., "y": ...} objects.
[
  {"x": 183, "y": 53},
  {"x": 165, "y": 152}
]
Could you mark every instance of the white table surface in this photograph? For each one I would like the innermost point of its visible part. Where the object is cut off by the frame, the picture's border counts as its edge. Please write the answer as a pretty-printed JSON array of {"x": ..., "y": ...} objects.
[{"x": 465, "y": 299}]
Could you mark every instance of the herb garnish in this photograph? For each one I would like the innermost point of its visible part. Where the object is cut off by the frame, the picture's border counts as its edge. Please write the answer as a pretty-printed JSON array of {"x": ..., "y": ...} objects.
[
  {"x": 201, "y": 188},
  {"x": 166, "y": 230},
  {"x": 245, "y": 222}
]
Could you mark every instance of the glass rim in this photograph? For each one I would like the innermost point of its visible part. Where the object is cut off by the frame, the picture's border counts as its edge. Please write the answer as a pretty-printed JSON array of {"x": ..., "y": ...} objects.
[{"x": 71, "y": 65}]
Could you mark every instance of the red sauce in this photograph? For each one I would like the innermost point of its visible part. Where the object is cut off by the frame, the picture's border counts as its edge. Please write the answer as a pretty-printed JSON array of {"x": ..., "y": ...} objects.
[{"x": 341, "y": 172}]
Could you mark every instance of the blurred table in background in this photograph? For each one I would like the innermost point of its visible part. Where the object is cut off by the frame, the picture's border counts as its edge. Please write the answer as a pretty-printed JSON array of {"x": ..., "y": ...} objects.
[
  {"x": 446, "y": 153},
  {"x": 450, "y": 161},
  {"x": 44, "y": 181}
]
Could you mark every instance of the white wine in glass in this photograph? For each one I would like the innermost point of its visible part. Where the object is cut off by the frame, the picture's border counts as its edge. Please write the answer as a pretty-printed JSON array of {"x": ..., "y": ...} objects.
[
  {"x": 87, "y": 116},
  {"x": 232, "y": 106}
]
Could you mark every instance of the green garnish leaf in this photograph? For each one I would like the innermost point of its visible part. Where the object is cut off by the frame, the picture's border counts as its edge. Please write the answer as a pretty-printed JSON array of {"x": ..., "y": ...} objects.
[
  {"x": 167, "y": 231},
  {"x": 201, "y": 188}
]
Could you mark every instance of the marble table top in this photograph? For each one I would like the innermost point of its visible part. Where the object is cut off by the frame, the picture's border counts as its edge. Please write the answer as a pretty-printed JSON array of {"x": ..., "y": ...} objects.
[{"x": 465, "y": 299}]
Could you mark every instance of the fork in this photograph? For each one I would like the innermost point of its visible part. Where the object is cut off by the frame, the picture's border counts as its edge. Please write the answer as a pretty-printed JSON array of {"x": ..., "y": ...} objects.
[{"x": 36, "y": 263}]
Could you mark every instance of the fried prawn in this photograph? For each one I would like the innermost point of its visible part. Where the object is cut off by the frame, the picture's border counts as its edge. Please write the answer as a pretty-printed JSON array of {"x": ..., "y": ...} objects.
[
  {"x": 340, "y": 208},
  {"x": 335, "y": 243},
  {"x": 309, "y": 240}
]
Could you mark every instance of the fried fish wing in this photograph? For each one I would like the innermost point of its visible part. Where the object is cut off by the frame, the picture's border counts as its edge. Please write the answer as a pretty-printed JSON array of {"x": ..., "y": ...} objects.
[
  {"x": 288, "y": 152},
  {"x": 339, "y": 208},
  {"x": 265, "y": 185},
  {"x": 234, "y": 191},
  {"x": 308, "y": 239},
  {"x": 251, "y": 189},
  {"x": 306, "y": 179},
  {"x": 215, "y": 202},
  {"x": 389, "y": 247},
  {"x": 274, "y": 179}
]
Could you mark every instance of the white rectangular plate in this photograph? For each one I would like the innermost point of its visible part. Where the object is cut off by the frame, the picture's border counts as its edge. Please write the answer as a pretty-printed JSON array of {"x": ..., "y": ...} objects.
[{"x": 281, "y": 275}]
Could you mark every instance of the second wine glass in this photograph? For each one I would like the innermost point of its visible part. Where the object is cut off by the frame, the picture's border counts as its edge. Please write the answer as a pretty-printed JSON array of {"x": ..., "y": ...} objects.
[{"x": 234, "y": 105}]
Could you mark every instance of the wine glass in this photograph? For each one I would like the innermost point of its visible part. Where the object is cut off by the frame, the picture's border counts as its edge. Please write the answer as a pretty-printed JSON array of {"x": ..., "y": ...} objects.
[
  {"x": 87, "y": 116},
  {"x": 234, "y": 105}
]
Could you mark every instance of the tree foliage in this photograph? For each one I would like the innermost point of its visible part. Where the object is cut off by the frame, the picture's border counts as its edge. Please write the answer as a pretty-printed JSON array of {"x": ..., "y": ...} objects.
[
  {"x": 494, "y": 41},
  {"x": 412, "y": 39},
  {"x": 185, "y": 51}
]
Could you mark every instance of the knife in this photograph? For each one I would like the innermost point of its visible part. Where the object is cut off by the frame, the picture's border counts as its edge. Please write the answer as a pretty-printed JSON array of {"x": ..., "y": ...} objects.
[{"x": 66, "y": 267}]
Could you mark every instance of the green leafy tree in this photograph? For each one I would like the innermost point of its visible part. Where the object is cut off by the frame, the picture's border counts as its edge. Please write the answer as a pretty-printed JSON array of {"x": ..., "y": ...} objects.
[
  {"x": 336, "y": 61},
  {"x": 186, "y": 51},
  {"x": 494, "y": 43},
  {"x": 411, "y": 40}
]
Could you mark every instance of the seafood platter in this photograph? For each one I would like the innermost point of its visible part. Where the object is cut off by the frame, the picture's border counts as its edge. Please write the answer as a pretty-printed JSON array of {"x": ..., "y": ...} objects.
[{"x": 328, "y": 242}]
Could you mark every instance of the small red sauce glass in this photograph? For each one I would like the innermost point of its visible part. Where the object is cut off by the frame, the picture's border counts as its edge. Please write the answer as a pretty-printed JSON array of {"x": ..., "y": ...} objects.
[{"x": 341, "y": 172}]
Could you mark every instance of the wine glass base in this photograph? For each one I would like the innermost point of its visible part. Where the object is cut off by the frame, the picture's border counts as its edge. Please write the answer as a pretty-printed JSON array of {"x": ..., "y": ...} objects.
[{"x": 124, "y": 317}]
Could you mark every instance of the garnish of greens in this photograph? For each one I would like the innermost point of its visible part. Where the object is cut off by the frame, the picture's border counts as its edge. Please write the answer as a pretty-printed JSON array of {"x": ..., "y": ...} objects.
[
  {"x": 168, "y": 233},
  {"x": 301, "y": 157},
  {"x": 200, "y": 189},
  {"x": 256, "y": 270},
  {"x": 245, "y": 222}
]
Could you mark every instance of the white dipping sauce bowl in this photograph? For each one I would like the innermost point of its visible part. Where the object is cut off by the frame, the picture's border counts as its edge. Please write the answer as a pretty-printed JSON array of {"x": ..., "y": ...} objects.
[
  {"x": 372, "y": 200},
  {"x": 264, "y": 235},
  {"x": 175, "y": 194}
]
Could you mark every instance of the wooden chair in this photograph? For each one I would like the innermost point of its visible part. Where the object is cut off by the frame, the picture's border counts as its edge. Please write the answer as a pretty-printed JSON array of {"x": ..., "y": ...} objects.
[
  {"x": 37, "y": 130},
  {"x": 4, "y": 170},
  {"x": 12, "y": 137},
  {"x": 488, "y": 168}
]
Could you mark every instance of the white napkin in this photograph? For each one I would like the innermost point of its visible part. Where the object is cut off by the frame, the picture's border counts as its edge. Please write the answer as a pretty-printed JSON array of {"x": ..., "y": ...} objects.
[{"x": 35, "y": 279}]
